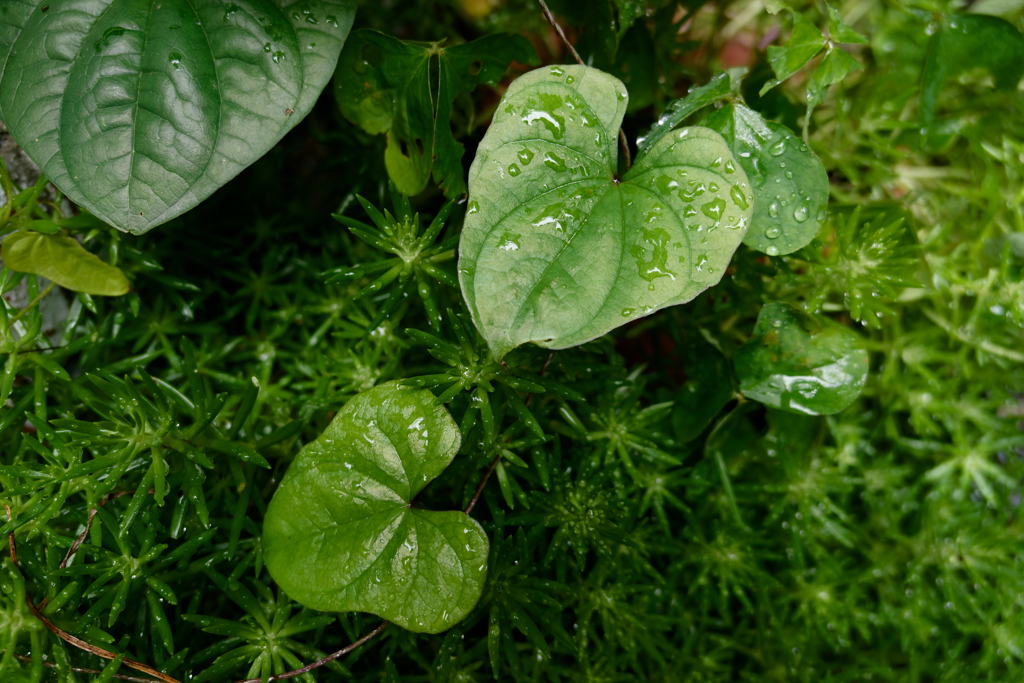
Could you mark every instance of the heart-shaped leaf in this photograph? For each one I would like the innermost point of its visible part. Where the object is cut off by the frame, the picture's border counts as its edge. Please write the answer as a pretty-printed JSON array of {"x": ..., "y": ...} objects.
[
  {"x": 556, "y": 248},
  {"x": 64, "y": 261},
  {"x": 340, "y": 533},
  {"x": 790, "y": 185},
  {"x": 140, "y": 109},
  {"x": 801, "y": 363},
  {"x": 407, "y": 89}
]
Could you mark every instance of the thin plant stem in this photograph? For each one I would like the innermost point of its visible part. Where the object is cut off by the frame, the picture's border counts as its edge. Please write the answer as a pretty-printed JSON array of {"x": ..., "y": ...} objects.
[
  {"x": 558, "y": 29},
  {"x": 561, "y": 34},
  {"x": 32, "y": 303}
]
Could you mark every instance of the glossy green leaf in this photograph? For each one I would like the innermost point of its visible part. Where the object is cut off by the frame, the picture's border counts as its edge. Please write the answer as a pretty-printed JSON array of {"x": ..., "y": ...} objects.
[
  {"x": 801, "y": 363},
  {"x": 839, "y": 32},
  {"x": 804, "y": 43},
  {"x": 707, "y": 389},
  {"x": 139, "y": 110},
  {"x": 64, "y": 261},
  {"x": 836, "y": 65},
  {"x": 965, "y": 42},
  {"x": 340, "y": 533},
  {"x": 719, "y": 87},
  {"x": 556, "y": 249},
  {"x": 790, "y": 184},
  {"x": 406, "y": 90}
]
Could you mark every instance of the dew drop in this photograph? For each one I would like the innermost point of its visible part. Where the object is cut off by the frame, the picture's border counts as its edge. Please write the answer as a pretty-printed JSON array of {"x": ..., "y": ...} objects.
[
  {"x": 626, "y": 312},
  {"x": 473, "y": 207},
  {"x": 772, "y": 250},
  {"x": 789, "y": 174},
  {"x": 525, "y": 156},
  {"x": 175, "y": 59},
  {"x": 800, "y": 213},
  {"x": 739, "y": 197},
  {"x": 772, "y": 232},
  {"x": 730, "y": 167},
  {"x": 570, "y": 79},
  {"x": 773, "y": 209},
  {"x": 513, "y": 170},
  {"x": 714, "y": 208},
  {"x": 778, "y": 148},
  {"x": 557, "y": 71}
]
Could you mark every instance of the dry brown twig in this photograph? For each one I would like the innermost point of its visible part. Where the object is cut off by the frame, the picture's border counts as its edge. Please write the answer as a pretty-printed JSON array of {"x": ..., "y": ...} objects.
[{"x": 623, "y": 143}]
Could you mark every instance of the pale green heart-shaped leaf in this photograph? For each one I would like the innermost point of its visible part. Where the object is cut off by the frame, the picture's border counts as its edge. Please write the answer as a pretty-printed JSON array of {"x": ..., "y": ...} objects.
[
  {"x": 340, "y": 533},
  {"x": 64, "y": 261},
  {"x": 556, "y": 249},
  {"x": 140, "y": 109},
  {"x": 407, "y": 89},
  {"x": 790, "y": 184},
  {"x": 801, "y": 363}
]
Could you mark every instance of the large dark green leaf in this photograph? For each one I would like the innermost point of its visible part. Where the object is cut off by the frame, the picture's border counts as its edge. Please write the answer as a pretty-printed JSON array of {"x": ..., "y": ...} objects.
[
  {"x": 64, "y": 261},
  {"x": 406, "y": 90},
  {"x": 556, "y": 249},
  {"x": 801, "y": 363},
  {"x": 140, "y": 109},
  {"x": 965, "y": 42},
  {"x": 707, "y": 389},
  {"x": 340, "y": 533},
  {"x": 790, "y": 185}
]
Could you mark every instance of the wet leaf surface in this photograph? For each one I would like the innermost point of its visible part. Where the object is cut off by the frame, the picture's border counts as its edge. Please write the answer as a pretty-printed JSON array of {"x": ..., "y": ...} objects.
[
  {"x": 790, "y": 185},
  {"x": 556, "y": 250},
  {"x": 340, "y": 533},
  {"x": 139, "y": 110},
  {"x": 801, "y": 363},
  {"x": 64, "y": 261}
]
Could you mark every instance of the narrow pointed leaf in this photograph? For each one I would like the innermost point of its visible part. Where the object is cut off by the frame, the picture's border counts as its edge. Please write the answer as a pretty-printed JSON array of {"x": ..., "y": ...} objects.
[{"x": 64, "y": 261}]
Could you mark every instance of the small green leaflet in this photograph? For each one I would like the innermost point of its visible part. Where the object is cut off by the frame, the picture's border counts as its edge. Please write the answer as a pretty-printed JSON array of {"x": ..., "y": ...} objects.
[
  {"x": 387, "y": 85},
  {"x": 965, "y": 42},
  {"x": 801, "y": 363},
  {"x": 340, "y": 533},
  {"x": 64, "y": 261},
  {"x": 805, "y": 42},
  {"x": 790, "y": 185},
  {"x": 140, "y": 109},
  {"x": 556, "y": 250}
]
